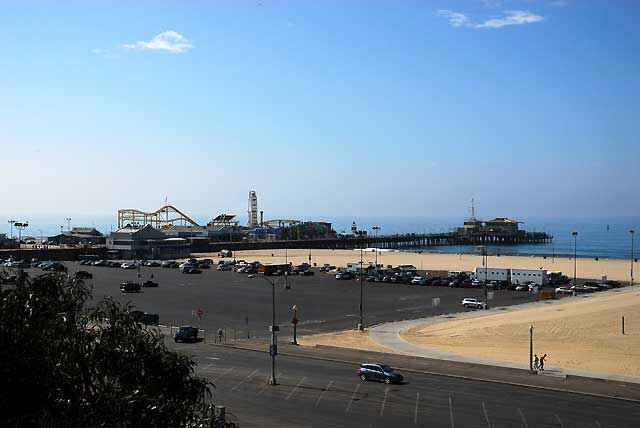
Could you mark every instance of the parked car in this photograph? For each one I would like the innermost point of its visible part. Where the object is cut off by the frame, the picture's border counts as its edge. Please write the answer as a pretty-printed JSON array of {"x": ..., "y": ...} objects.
[
  {"x": 473, "y": 303},
  {"x": 307, "y": 272},
  {"x": 130, "y": 287},
  {"x": 129, "y": 266},
  {"x": 379, "y": 372},
  {"x": 416, "y": 280},
  {"x": 152, "y": 263},
  {"x": 343, "y": 275},
  {"x": 83, "y": 274},
  {"x": 149, "y": 284},
  {"x": 170, "y": 264},
  {"x": 191, "y": 270},
  {"x": 564, "y": 290},
  {"x": 186, "y": 333},
  {"x": 186, "y": 265},
  {"x": 114, "y": 264},
  {"x": 55, "y": 267},
  {"x": 224, "y": 268},
  {"x": 99, "y": 263}
]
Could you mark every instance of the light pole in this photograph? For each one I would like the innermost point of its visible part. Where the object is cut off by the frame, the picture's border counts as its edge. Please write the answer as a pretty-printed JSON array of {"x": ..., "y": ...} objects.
[
  {"x": 485, "y": 262},
  {"x": 294, "y": 321},
  {"x": 361, "y": 324},
  {"x": 21, "y": 226},
  {"x": 11, "y": 222},
  {"x": 68, "y": 224},
  {"x": 631, "y": 232},
  {"x": 531, "y": 347},
  {"x": 273, "y": 349},
  {"x": 575, "y": 254},
  {"x": 376, "y": 229}
]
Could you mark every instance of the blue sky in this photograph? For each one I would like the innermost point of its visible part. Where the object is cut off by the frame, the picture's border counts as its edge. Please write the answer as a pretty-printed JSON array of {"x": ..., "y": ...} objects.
[{"x": 323, "y": 107}]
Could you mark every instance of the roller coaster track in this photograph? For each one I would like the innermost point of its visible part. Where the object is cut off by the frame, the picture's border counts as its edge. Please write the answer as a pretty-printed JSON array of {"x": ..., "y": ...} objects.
[{"x": 162, "y": 218}]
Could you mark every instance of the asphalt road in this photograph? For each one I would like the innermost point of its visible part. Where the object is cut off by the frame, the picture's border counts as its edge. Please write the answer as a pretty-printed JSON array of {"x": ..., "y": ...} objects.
[
  {"x": 313, "y": 393},
  {"x": 325, "y": 304}
]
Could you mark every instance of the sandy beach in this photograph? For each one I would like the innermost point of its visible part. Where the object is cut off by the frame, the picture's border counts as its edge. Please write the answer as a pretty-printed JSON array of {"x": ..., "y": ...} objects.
[
  {"x": 581, "y": 334},
  {"x": 587, "y": 268}
]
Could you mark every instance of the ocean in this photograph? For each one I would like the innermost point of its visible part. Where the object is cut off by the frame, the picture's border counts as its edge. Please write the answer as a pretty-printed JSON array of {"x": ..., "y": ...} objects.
[{"x": 606, "y": 238}]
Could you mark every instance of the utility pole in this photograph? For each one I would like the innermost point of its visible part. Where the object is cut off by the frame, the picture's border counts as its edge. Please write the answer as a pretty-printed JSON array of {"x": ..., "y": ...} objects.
[{"x": 68, "y": 224}]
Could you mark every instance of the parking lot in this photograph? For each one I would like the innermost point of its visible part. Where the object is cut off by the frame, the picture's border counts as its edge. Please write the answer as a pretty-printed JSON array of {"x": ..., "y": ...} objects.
[{"x": 239, "y": 304}]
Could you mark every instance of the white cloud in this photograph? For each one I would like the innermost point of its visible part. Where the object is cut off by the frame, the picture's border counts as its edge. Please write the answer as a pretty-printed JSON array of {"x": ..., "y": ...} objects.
[
  {"x": 559, "y": 3},
  {"x": 170, "y": 41},
  {"x": 510, "y": 17},
  {"x": 456, "y": 19}
]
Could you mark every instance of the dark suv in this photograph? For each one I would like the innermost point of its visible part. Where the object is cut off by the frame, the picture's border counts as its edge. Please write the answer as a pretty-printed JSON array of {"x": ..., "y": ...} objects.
[
  {"x": 379, "y": 372},
  {"x": 130, "y": 287}
]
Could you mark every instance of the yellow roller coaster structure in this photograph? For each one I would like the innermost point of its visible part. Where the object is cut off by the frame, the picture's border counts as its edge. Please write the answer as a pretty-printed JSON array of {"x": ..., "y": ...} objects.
[{"x": 163, "y": 218}]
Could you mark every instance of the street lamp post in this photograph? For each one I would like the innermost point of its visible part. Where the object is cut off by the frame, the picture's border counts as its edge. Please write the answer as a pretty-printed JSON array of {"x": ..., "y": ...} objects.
[
  {"x": 485, "y": 262},
  {"x": 21, "y": 226},
  {"x": 376, "y": 229},
  {"x": 11, "y": 222},
  {"x": 531, "y": 347},
  {"x": 361, "y": 324},
  {"x": 68, "y": 224},
  {"x": 273, "y": 349},
  {"x": 575, "y": 254},
  {"x": 294, "y": 321},
  {"x": 631, "y": 232}
]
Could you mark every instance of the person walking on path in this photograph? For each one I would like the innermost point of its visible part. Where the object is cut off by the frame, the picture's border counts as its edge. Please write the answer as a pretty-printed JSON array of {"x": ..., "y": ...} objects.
[
  {"x": 535, "y": 362},
  {"x": 220, "y": 335},
  {"x": 544, "y": 357}
]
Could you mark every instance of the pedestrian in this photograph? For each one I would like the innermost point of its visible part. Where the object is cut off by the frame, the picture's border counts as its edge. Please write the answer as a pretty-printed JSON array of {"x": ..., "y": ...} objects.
[
  {"x": 220, "y": 334},
  {"x": 535, "y": 362},
  {"x": 544, "y": 357}
]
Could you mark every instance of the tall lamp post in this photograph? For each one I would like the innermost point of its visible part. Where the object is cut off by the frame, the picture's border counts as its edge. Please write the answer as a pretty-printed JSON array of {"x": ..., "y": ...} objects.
[
  {"x": 21, "y": 226},
  {"x": 631, "y": 232},
  {"x": 485, "y": 262},
  {"x": 11, "y": 222},
  {"x": 376, "y": 229},
  {"x": 68, "y": 224},
  {"x": 273, "y": 349},
  {"x": 361, "y": 324},
  {"x": 575, "y": 254},
  {"x": 294, "y": 321}
]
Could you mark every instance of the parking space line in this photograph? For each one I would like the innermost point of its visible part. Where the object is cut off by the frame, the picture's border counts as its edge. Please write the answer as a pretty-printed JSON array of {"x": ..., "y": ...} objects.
[
  {"x": 453, "y": 425},
  {"x": 245, "y": 379},
  {"x": 524, "y": 421},
  {"x": 415, "y": 413},
  {"x": 323, "y": 392},
  {"x": 486, "y": 415},
  {"x": 295, "y": 388},
  {"x": 560, "y": 421},
  {"x": 598, "y": 424},
  {"x": 226, "y": 372},
  {"x": 384, "y": 400},
  {"x": 355, "y": 391}
]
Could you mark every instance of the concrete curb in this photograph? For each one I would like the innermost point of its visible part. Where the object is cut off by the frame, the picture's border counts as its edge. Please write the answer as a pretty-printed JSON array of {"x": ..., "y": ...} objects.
[{"x": 453, "y": 376}]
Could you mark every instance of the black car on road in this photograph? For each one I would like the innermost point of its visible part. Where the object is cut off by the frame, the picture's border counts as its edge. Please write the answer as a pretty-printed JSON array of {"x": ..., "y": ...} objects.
[{"x": 380, "y": 372}]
